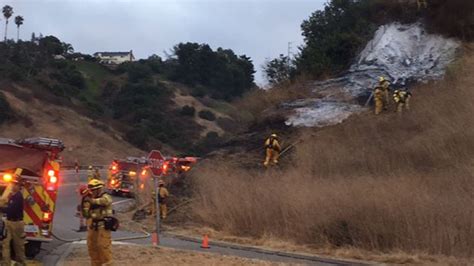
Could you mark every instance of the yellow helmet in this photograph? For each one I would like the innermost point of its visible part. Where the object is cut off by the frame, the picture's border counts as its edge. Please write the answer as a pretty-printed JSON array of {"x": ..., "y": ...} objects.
[
  {"x": 95, "y": 184},
  {"x": 381, "y": 79},
  {"x": 274, "y": 135}
]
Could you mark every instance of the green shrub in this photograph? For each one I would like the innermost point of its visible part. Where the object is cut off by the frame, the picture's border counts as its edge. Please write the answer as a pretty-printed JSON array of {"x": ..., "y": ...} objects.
[
  {"x": 207, "y": 144},
  {"x": 228, "y": 124},
  {"x": 188, "y": 110},
  {"x": 207, "y": 115},
  {"x": 138, "y": 137}
]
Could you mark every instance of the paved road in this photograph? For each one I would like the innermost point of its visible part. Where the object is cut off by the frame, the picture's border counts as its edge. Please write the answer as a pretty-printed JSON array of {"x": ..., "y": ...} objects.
[{"x": 66, "y": 224}]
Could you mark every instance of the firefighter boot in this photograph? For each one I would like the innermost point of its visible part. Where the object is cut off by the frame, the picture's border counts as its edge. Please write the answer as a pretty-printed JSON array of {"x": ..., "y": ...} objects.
[{"x": 275, "y": 157}]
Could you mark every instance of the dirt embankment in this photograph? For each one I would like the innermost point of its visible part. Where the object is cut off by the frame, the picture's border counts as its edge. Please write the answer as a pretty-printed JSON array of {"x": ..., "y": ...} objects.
[{"x": 86, "y": 140}]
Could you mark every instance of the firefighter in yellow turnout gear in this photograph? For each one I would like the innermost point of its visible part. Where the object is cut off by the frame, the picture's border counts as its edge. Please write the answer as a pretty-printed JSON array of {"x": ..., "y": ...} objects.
[
  {"x": 272, "y": 150},
  {"x": 163, "y": 197},
  {"x": 378, "y": 100},
  {"x": 90, "y": 173},
  {"x": 422, "y": 4},
  {"x": 384, "y": 84},
  {"x": 96, "y": 207},
  {"x": 402, "y": 99},
  {"x": 163, "y": 194}
]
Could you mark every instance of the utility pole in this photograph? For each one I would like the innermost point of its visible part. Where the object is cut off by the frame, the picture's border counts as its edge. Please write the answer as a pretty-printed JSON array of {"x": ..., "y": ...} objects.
[
  {"x": 156, "y": 241},
  {"x": 289, "y": 53},
  {"x": 288, "y": 59}
]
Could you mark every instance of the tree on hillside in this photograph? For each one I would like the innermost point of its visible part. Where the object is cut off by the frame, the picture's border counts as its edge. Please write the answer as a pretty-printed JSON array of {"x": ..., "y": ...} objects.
[
  {"x": 7, "y": 13},
  {"x": 51, "y": 45},
  {"x": 333, "y": 37},
  {"x": 67, "y": 48},
  {"x": 18, "y": 21},
  {"x": 278, "y": 70},
  {"x": 219, "y": 74}
]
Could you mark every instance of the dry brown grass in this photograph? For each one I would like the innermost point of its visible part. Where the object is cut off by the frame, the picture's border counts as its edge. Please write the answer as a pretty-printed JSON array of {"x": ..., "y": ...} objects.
[
  {"x": 389, "y": 183},
  {"x": 253, "y": 104}
]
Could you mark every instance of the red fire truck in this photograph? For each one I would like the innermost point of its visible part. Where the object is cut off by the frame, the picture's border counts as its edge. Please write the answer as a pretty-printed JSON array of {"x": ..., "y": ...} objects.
[
  {"x": 123, "y": 176},
  {"x": 34, "y": 162},
  {"x": 126, "y": 175}
]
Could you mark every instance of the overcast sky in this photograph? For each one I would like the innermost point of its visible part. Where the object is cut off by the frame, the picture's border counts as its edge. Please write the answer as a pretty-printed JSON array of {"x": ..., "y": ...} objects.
[{"x": 258, "y": 28}]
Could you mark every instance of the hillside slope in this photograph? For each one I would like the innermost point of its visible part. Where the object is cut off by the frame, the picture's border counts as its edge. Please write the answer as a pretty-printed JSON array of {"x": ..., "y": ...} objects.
[
  {"x": 87, "y": 141},
  {"x": 384, "y": 183},
  {"x": 434, "y": 138}
]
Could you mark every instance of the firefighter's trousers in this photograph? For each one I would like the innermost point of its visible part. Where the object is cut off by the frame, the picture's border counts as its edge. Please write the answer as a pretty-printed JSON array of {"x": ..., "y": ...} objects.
[
  {"x": 271, "y": 157},
  {"x": 378, "y": 105},
  {"x": 99, "y": 244},
  {"x": 163, "y": 210},
  {"x": 405, "y": 104},
  {"x": 16, "y": 234},
  {"x": 385, "y": 99}
]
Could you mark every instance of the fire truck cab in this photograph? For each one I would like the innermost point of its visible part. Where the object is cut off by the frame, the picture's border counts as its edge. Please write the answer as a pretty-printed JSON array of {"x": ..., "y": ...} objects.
[{"x": 33, "y": 162}]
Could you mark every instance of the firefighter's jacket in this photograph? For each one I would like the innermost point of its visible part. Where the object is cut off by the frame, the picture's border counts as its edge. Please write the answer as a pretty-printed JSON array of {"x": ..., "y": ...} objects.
[
  {"x": 385, "y": 85},
  {"x": 401, "y": 96},
  {"x": 273, "y": 144},
  {"x": 97, "y": 208},
  {"x": 163, "y": 194},
  {"x": 378, "y": 93}
]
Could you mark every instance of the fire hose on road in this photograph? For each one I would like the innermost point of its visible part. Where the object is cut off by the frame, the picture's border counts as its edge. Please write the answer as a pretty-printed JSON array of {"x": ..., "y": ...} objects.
[{"x": 145, "y": 235}]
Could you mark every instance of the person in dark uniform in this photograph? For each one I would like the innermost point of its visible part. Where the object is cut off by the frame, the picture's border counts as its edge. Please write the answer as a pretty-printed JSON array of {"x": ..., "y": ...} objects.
[{"x": 14, "y": 225}]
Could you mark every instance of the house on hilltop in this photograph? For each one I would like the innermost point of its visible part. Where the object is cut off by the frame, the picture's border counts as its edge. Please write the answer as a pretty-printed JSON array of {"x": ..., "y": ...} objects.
[{"x": 114, "y": 58}]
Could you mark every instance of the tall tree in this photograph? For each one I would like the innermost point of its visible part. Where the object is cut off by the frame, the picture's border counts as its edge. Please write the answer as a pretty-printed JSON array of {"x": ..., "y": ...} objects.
[
  {"x": 278, "y": 70},
  {"x": 7, "y": 13},
  {"x": 18, "y": 21}
]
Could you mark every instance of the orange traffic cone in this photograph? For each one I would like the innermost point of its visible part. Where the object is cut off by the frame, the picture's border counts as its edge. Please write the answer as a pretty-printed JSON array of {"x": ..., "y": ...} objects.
[
  {"x": 155, "y": 239},
  {"x": 205, "y": 242}
]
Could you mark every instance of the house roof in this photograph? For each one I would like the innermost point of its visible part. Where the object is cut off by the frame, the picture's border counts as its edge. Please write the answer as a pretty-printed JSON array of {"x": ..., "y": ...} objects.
[{"x": 113, "y": 53}]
